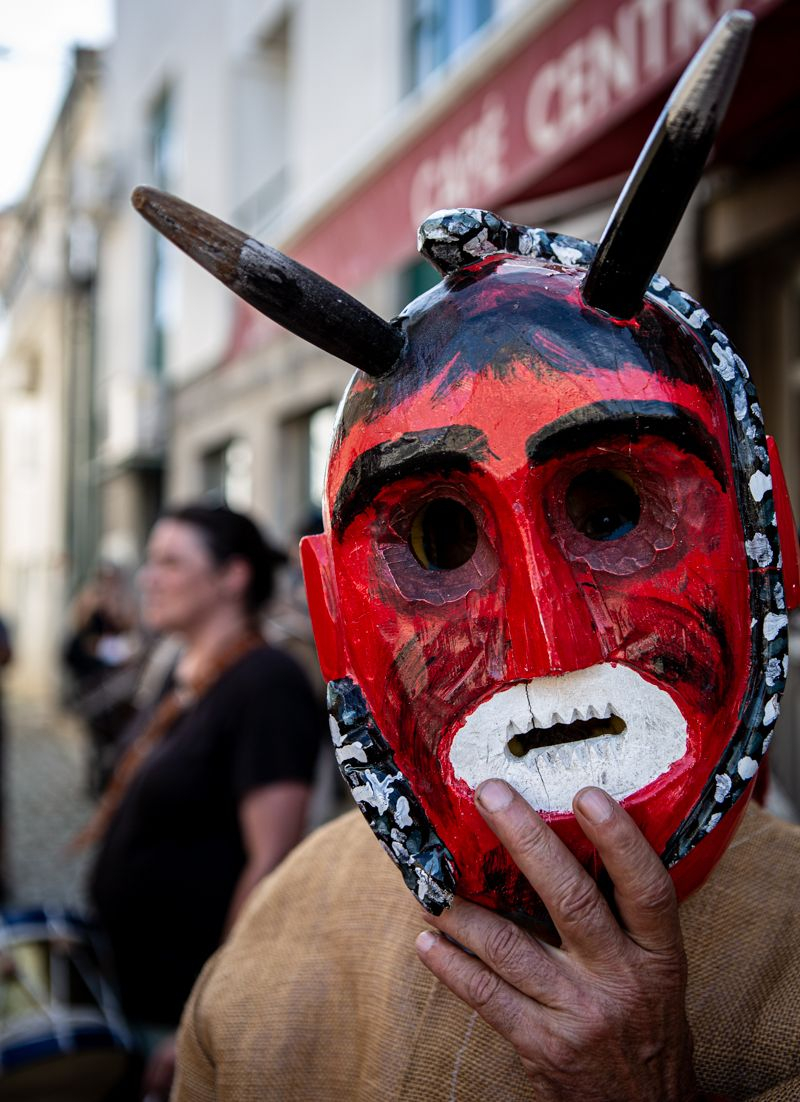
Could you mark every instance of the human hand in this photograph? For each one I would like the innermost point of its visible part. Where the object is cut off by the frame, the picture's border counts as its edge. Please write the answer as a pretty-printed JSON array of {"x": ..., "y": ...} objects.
[
  {"x": 160, "y": 1071},
  {"x": 602, "y": 1017}
]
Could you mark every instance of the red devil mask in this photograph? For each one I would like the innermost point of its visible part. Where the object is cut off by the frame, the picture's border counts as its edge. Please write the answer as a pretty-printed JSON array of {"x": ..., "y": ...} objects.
[
  {"x": 552, "y": 558},
  {"x": 553, "y": 529}
]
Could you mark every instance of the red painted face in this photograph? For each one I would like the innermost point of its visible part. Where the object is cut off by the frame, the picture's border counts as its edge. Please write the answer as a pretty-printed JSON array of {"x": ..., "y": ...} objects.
[{"x": 540, "y": 575}]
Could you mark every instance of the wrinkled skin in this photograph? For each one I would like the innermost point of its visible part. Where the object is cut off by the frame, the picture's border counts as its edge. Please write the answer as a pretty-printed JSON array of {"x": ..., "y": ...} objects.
[{"x": 601, "y": 1016}]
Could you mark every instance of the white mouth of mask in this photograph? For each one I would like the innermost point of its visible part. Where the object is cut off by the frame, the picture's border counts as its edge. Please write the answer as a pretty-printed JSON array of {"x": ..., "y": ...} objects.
[{"x": 603, "y": 726}]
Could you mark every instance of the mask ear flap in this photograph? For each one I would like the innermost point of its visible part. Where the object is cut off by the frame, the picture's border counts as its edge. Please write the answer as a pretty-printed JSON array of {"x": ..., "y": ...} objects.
[
  {"x": 787, "y": 529},
  {"x": 323, "y": 604}
]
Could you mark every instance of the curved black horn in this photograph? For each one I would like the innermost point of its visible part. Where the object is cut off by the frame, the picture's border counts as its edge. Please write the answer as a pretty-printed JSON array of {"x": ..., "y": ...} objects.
[
  {"x": 663, "y": 179},
  {"x": 289, "y": 293}
]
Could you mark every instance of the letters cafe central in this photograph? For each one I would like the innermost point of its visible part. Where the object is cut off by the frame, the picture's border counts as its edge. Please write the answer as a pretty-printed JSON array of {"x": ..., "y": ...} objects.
[{"x": 543, "y": 123}]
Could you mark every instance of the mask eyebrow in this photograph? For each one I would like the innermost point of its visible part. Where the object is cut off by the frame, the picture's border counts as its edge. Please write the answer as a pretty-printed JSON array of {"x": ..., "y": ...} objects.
[
  {"x": 601, "y": 421},
  {"x": 451, "y": 448}
]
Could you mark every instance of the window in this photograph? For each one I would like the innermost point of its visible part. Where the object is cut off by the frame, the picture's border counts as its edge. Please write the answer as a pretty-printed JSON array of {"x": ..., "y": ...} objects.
[
  {"x": 161, "y": 260},
  {"x": 227, "y": 474},
  {"x": 437, "y": 29},
  {"x": 260, "y": 91},
  {"x": 415, "y": 279},
  {"x": 304, "y": 442},
  {"x": 320, "y": 435}
]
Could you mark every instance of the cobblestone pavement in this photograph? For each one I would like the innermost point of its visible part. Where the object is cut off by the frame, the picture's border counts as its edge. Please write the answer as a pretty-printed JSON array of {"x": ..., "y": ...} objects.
[{"x": 45, "y": 804}]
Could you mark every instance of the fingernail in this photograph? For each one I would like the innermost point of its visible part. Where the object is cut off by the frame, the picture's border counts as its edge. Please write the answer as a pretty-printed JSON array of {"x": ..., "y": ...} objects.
[
  {"x": 426, "y": 940},
  {"x": 594, "y": 805},
  {"x": 494, "y": 795}
]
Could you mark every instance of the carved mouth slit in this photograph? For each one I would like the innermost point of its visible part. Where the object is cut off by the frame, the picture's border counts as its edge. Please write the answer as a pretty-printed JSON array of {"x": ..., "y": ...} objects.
[{"x": 560, "y": 733}]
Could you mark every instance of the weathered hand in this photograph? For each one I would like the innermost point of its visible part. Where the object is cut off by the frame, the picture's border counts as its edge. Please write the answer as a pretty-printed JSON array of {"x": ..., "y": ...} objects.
[{"x": 603, "y": 1016}]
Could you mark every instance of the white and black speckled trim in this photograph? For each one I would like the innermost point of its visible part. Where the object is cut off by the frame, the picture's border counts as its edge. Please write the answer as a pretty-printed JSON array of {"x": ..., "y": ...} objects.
[
  {"x": 769, "y": 620},
  {"x": 456, "y": 238},
  {"x": 386, "y": 799}
]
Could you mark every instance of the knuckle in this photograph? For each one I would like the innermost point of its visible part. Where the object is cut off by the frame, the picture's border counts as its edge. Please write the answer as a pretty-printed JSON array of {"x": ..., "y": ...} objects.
[
  {"x": 482, "y": 988},
  {"x": 503, "y": 944},
  {"x": 598, "y": 1024},
  {"x": 579, "y": 902},
  {"x": 528, "y": 840},
  {"x": 658, "y": 894},
  {"x": 505, "y": 948},
  {"x": 555, "y": 1051}
]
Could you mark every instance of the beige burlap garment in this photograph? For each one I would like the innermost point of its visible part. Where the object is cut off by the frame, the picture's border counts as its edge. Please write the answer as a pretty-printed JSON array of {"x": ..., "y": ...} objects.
[{"x": 319, "y": 997}]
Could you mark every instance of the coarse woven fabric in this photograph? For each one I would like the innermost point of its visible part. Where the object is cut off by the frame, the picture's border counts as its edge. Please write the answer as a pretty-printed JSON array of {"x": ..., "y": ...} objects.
[{"x": 319, "y": 994}]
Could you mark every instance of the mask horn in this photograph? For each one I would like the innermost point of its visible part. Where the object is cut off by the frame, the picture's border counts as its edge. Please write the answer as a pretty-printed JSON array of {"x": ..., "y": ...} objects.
[
  {"x": 662, "y": 181},
  {"x": 277, "y": 286}
]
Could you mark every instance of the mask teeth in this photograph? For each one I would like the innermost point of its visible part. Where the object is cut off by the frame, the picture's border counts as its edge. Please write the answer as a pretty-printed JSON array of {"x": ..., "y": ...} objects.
[
  {"x": 598, "y": 753},
  {"x": 561, "y": 756},
  {"x": 565, "y": 716},
  {"x": 582, "y": 753}
]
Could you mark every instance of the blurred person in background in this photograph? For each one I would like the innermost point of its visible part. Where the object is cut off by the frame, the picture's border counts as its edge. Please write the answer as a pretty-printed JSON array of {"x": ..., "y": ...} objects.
[
  {"x": 101, "y": 656},
  {"x": 5, "y": 645},
  {"x": 6, "y": 656},
  {"x": 288, "y": 626},
  {"x": 212, "y": 793}
]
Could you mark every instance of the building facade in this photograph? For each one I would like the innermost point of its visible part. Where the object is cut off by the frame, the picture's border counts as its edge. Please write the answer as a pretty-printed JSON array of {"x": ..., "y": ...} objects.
[
  {"x": 260, "y": 112},
  {"x": 49, "y": 516},
  {"x": 332, "y": 130}
]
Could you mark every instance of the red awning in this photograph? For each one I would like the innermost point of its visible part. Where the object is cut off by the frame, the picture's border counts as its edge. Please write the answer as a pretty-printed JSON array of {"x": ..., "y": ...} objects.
[{"x": 571, "y": 106}]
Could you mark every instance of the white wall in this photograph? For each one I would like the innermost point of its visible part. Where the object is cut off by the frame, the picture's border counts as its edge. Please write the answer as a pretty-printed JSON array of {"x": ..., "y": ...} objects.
[{"x": 347, "y": 77}]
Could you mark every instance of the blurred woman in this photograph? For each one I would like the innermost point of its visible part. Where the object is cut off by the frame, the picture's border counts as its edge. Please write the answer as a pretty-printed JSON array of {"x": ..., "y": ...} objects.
[{"x": 213, "y": 793}]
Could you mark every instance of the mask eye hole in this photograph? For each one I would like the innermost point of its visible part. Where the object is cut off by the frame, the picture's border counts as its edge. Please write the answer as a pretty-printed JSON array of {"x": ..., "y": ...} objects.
[
  {"x": 603, "y": 505},
  {"x": 443, "y": 535}
]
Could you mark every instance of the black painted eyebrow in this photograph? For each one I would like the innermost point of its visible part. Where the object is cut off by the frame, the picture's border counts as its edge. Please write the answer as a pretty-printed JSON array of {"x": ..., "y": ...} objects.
[
  {"x": 451, "y": 448},
  {"x": 600, "y": 421}
]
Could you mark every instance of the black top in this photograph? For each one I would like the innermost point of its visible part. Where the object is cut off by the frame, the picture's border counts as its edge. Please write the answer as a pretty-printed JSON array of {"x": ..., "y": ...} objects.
[{"x": 168, "y": 865}]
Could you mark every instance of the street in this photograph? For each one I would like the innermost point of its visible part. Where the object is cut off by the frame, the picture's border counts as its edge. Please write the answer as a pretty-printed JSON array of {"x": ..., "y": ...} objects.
[{"x": 45, "y": 804}]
